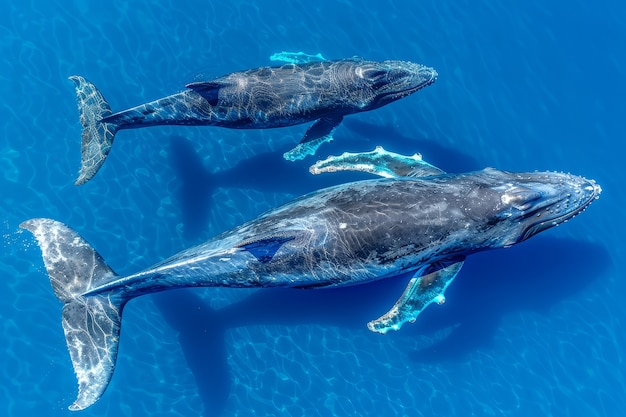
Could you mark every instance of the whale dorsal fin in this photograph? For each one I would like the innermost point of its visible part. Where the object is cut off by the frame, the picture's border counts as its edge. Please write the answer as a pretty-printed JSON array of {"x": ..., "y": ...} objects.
[
  {"x": 209, "y": 90},
  {"x": 265, "y": 248}
]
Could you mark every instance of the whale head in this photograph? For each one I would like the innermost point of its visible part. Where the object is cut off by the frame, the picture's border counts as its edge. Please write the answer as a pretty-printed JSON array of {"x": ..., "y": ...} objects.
[
  {"x": 389, "y": 81},
  {"x": 517, "y": 206}
]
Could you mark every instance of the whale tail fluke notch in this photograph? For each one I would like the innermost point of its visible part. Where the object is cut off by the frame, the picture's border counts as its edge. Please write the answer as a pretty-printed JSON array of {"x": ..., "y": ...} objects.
[
  {"x": 91, "y": 323},
  {"x": 97, "y": 136}
]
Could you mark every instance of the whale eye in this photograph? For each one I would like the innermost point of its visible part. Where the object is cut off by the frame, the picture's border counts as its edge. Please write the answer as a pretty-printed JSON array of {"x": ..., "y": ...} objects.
[
  {"x": 376, "y": 74},
  {"x": 520, "y": 198},
  {"x": 369, "y": 73}
]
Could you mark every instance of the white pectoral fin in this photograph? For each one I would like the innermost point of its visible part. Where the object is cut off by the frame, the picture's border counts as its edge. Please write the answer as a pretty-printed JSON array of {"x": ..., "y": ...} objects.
[
  {"x": 378, "y": 162},
  {"x": 296, "y": 57},
  {"x": 319, "y": 133},
  {"x": 418, "y": 294}
]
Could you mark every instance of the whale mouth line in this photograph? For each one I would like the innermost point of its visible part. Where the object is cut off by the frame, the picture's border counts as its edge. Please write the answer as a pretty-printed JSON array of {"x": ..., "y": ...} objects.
[
  {"x": 540, "y": 226},
  {"x": 395, "y": 95}
]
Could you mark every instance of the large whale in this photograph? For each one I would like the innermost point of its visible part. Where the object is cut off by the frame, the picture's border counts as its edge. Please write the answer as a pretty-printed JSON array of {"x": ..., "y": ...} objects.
[
  {"x": 258, "y": 98},
  {"x": 425, "y": 223}
]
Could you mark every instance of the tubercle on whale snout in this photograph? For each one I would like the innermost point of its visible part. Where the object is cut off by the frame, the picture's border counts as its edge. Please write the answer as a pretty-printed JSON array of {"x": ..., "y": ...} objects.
[{"x": 569, "y": 207}]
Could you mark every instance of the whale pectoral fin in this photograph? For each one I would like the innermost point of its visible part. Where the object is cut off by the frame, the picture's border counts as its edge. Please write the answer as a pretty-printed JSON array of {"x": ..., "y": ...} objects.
[
  {"x": 209, "y": 90},
  {"x": 378, "y": 162},
  {"x": 296, "y": 57},
  {"x": 320, "y": 132},
  {"x": 418, "y": 294},
  {"x": 265, "y": 248}
]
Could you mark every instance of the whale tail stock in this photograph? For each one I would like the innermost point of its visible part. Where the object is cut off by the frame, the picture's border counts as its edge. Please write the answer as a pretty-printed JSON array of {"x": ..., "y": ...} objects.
[
  {"x": 97, "y": 136},
  {"x": 91, "y": 323}
]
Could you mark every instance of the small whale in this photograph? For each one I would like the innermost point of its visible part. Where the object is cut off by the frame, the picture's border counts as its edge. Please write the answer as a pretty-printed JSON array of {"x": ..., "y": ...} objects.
[
  {"x": 417, "y": 220},
  {"x": 260, "y": 98}
]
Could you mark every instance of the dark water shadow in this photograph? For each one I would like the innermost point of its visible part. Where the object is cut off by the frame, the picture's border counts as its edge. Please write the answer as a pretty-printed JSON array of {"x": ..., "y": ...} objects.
[
  {"x": 201, "y": 338},
  {"x": 194, "y": 194},
  {"x": 444, "y": 157},
  {"x": 533, "y": 276},
  {"x": 266, "y": 172},
  {"x": 269, "y": 172}
]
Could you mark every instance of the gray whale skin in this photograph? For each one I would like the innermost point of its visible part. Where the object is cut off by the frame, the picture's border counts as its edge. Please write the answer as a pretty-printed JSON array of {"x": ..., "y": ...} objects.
[
  {"x": 258, "y": 98},
  {"x": 417, "y": 220}
]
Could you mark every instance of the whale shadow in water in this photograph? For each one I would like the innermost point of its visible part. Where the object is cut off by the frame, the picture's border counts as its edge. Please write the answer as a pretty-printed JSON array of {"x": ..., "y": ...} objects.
[
  {"x": 201, "y": 337},
  {"x": 270, "y": 172},
  {"x": 443, "y": 157},
  {"x": 533, "y": 276},
  {"x": 266, "y": 172}
]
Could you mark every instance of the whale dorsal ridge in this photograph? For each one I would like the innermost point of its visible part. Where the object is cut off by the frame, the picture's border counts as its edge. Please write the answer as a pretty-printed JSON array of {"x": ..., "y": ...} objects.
[
  {"x": 209, "y": 90},
  {"x": 265, "y": 248}
]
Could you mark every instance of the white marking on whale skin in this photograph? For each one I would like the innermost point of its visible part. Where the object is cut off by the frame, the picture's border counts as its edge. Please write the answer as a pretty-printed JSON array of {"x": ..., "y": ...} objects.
[
  {"x": 506, "y": 198},
  {"x": 242, "y": 83}
]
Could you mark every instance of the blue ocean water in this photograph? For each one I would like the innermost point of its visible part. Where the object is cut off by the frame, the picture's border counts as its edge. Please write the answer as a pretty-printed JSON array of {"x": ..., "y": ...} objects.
[{"x": 538, "y": 329}]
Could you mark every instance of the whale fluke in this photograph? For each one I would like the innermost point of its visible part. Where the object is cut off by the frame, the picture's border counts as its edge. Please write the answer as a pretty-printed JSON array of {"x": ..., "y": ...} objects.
[
  {"x": 91, "y": 324},
  {"x": 97, "y": 136}
]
